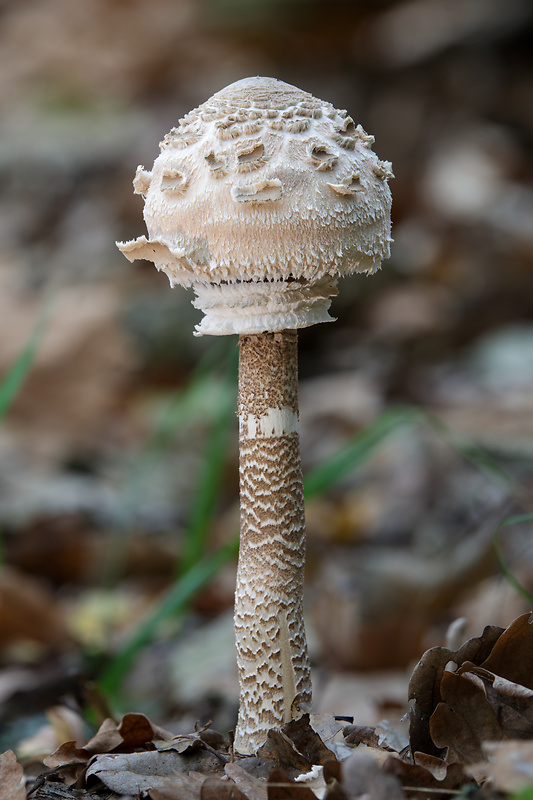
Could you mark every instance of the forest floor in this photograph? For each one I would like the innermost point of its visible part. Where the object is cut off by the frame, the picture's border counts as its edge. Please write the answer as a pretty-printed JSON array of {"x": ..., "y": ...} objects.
[{"x": 118, "y": 439}]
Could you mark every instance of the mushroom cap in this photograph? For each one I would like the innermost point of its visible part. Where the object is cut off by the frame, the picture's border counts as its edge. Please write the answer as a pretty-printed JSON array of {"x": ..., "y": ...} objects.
[{"x": 264, "y": 184}]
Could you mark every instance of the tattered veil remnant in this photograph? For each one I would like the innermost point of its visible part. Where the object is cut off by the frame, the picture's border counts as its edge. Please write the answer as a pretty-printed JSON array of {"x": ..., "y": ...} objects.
[{"x": 260, "y": 199}]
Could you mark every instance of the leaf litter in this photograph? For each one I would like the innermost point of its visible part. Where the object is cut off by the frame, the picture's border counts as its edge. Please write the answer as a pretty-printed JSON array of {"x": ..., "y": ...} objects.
[
  {"x": 471, "y": 731},
  {"x": 449, "y": 290}
]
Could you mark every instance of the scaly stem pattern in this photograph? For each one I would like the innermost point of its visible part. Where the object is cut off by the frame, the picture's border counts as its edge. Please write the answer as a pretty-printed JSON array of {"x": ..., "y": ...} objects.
[{"x": 274, "y": 671}]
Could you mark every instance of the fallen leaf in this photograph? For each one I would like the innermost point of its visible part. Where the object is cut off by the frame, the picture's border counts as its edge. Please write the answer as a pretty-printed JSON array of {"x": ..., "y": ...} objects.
[
  {"x": 280, "y": 787},
  {"x": 280, "y": 749},
  {"x": 431, "y": 773},
  {"x": 180, "y": 744},
  {"x": 361, "y": 775},
  {"x": 477, "y": 649},
  {"x": 140, "y": 772},
  {"x": 424, "y": 696},
  {"x": 12, "y": 783},
  {"x": 389, "y": 738},
  {"x": 179, "y": 787},
  {"x": 355, "y": 735},
  {"x": 252, "y": 787},
  {"x": 436, "y": 766},
  {"x": 136, "y": 730},
  {"x": 512, "y": 702},
  {"x": 482, "y": 692},
  {"x": 217, "y": 789},
  {"x": 67, "y": 753},
  {"x": 463, "y": 720},
  {"x": 314, "y": 780},
  {"x": 335, "y": 792},
  {"x": 307, "y": 741},
  {"x": 512, "y": 655},
  {"x": 326, "y": 726},
  {"x": 509, "y": 765},
  {"x": 133, "y": 732},
  {"x": 332, "y": 772},
  {"x": 332, "y": 778},
  {"x": 296, "y": 746},
  {"x": 105, "y": 740},
  {"x": 258, "y": 767},
  {"x": 424, "y": 692},
  {"x": 213, "y": 739}
]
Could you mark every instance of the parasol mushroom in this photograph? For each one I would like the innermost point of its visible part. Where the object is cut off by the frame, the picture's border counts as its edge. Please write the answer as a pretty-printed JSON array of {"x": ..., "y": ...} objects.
[{"x": 259, "y": 200}]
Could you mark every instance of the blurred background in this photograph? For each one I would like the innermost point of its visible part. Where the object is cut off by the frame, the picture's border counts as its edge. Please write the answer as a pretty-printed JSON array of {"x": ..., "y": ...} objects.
[{"x": 118, "y": 442}]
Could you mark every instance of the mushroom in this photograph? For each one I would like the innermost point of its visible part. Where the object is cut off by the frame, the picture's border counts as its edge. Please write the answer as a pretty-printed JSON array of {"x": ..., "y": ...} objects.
[{"x": 260, "y": 199}]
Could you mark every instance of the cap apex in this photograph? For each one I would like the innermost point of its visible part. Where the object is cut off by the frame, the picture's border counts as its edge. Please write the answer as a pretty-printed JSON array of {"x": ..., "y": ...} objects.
[{"x": 260, "y": 88}]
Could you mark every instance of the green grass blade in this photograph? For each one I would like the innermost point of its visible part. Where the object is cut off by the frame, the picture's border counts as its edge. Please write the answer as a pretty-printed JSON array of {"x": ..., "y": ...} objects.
[
  {"x": 526, "y": 793},
  {"x": 208, "y": 488},
  {"x": 506, "y": 570},
  {"x": 16, "y": 375},
  {"x": 196, "y": 568},
  {"x": 470, "y": 451},
  {"x": 175, "y": 602},
  {"x": 195, "y": 401},
  {"x": 362, "y": 446},
  {"x": 357, "y": 450},
  {"x": 13, "y": 380},
  {"x": 202, "y": 397}
]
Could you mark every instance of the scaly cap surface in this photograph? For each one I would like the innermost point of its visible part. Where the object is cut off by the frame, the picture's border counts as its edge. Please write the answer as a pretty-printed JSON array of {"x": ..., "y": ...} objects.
[{"x": 260, "y": 199}]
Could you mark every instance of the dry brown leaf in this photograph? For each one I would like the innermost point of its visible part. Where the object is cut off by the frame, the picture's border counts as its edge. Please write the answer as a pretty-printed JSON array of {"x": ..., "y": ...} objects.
[
  {"x": 489, "y": 696},
  {"x": 512, "y": 702},
  {"x": 280, "y": 749},
  {"x": 307, "y": 741},
  {"x": 108, "y": 738},
  {"x": 12, "y": 783},
  {"x": 105, "y": 740},
  {"x": 141, "y": 772},
  {"x": 179, "y": 787},
  {"x": 360, "y": 734},
  {"x": 425, "y": 684},
  {"x": 361, "y": 775},
  {"x": 67, "y": 753},
  {"x": 335, "y": 792},
  {"x": 280, "y": 787},
  {"x": 252, "y": 787},
  {"x": 478, "y": 648},
  {"x": 326, "y": 726},
  {"x": 218, "y": 789},
  {"x": 424, "y": 696},
  {"x": 436, "y": 766},
  {"x": 463, "y": 720},
  {"x": 512, "y": 655},
  {"x": 296, "y": 746},
  {"x": 509, "y": 765},
  {"x": 389, "y": 738},
  {"x": 431, "y": 773},
  {"x": 332, "y": 778},
  {"x": 180, "y": 744},
  {"x": 213, "y": 739},
  {"x": 134, "y": 731}
]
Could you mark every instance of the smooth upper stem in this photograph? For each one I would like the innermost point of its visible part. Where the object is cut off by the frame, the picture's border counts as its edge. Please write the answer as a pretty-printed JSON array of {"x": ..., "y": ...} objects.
[{"x": 274, "y": 670}]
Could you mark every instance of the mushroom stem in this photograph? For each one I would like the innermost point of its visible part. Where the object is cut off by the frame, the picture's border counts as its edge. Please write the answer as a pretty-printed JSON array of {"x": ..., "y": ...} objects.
[{"x": 274, "y": 670}]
